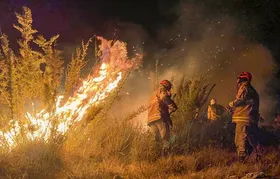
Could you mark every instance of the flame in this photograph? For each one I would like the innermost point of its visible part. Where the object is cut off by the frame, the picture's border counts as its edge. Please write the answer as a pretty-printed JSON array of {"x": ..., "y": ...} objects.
[{"x": 92, "y": 91}]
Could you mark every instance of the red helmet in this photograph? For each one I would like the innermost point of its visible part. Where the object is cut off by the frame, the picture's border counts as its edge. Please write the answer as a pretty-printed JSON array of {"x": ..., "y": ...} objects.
[
  {"x": 166, "y": 84},
  {"x": 246, "y": 75}
]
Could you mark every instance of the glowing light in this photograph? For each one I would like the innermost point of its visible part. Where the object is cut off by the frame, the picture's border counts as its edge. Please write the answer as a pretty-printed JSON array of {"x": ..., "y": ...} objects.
[{"x": 92, "y": 91}]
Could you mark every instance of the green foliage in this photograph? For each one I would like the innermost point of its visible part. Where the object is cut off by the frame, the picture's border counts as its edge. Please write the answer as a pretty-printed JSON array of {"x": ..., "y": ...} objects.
[
  {"x": 9, "y": 87},
  {"x": 22, "y": 80},
  {"x": 190, "y": 96},
  {"x": 76, "y": 65},
  {"x": 4, "y": 69},
  {"x": 53, "y": 69},
  {"x": 28, "y": 74}
]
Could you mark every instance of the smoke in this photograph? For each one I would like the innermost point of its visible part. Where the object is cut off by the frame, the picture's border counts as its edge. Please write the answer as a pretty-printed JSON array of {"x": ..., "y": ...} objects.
[{"x": 202, "y": 43}]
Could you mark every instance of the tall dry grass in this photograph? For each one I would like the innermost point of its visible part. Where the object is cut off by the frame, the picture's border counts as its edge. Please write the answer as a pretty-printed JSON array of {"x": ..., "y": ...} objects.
[{"x": 35, "y": 159}]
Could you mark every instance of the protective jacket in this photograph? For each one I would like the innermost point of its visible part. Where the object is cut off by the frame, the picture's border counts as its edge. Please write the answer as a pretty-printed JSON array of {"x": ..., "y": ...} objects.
[
  {"x": 160, "y": 106},
  {"x": 246, "y": 104},
  {"x": 214, "y": 112}
]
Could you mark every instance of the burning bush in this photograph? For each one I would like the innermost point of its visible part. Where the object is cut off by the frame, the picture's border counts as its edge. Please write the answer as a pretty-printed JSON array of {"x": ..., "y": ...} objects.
[{"x": 30, "y": 81}]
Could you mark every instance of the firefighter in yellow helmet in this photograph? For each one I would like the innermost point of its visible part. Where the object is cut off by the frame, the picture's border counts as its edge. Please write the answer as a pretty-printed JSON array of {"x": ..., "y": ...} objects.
[
  {"x": 160, "y": 107},
  {"x": 245, "y": 114},
  {"x": 214, "y": 111}
]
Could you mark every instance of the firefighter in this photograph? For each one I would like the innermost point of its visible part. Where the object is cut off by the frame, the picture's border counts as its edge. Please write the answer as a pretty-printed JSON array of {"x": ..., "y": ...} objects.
[
  {"x": 160, "y": 107},
  {"x": 245, "y": 115},
  {"x": 215, "y": 111}
]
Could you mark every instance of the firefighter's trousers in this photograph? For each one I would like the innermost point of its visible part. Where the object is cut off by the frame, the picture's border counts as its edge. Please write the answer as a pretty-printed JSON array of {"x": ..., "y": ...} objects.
[
  {"x": 246, "y": 138},
  {"x": 161, "y": 130}
]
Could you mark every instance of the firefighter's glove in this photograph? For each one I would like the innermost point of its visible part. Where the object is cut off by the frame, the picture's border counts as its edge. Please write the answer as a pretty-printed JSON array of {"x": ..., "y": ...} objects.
[
  {"x": 250, "y": 102},
  {"x": 229, "y": 109},
  {"x": 230, "y": 104}
]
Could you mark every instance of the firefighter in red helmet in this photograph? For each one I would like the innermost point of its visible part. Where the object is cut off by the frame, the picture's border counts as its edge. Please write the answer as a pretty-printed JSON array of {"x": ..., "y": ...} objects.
[
  {"x": 160, "y": 107},
  {"x": 245, "y": 114}
]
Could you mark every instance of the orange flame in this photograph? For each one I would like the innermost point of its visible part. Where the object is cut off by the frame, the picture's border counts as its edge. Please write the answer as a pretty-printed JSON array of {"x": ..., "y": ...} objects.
[{"x": 92, "y": 91}]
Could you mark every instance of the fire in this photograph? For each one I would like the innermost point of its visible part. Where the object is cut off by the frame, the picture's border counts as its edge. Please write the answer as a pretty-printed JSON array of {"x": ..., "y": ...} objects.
[{"x": 92, "y": 91}]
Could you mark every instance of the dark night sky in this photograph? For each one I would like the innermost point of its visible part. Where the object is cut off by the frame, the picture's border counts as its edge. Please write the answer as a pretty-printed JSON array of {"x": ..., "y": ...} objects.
[
  {"x": 70, "y": 16},
  {"x": 74, "y": 20}
]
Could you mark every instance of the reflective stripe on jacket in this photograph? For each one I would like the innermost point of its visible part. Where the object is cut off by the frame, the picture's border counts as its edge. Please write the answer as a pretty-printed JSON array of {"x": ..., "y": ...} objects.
[
  {"x": 214, "y": 112},
  {"x": 246, "y": 104},
  {"x": 160, "y": 105}
]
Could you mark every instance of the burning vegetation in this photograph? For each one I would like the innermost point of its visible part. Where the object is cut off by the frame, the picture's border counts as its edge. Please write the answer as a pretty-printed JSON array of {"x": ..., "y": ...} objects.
[
  {"x": 23, "y": 82},
  {"x": 50, "y": 133}
]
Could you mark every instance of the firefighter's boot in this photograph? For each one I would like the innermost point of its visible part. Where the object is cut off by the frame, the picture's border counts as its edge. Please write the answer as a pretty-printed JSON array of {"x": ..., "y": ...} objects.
[{"x": 242, "y": 157}]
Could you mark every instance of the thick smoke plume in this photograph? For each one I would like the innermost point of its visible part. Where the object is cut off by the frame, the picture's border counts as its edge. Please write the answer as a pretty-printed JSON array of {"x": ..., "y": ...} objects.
[{"x": 203, "y": 44}]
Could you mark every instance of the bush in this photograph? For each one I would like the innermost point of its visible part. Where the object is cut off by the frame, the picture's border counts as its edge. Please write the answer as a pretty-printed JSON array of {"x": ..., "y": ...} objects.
[{"x": 191, "y": 129}]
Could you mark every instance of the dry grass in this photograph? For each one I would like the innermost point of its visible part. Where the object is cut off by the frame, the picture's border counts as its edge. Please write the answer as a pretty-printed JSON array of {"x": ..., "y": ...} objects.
[
  {"x": 208, "y": 163},
  {"x": 117, "y": 149},
  {"x": 106, "y": 147},
  {"x": 32, "y": 160}
]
